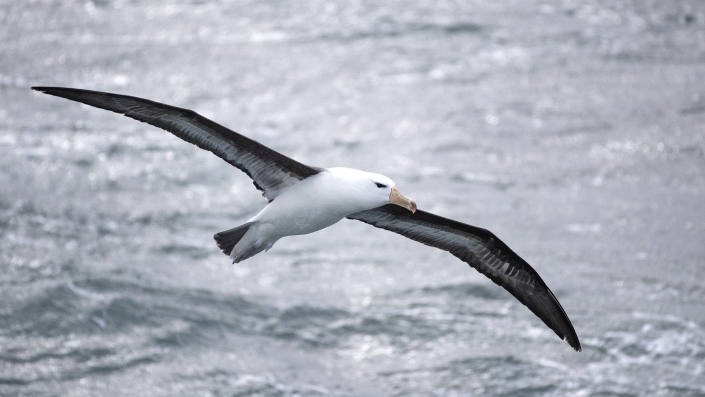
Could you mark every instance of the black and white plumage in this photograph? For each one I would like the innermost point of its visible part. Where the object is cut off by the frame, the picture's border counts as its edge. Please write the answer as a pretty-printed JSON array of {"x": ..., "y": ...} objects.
[{"x": 303, "y": 199}]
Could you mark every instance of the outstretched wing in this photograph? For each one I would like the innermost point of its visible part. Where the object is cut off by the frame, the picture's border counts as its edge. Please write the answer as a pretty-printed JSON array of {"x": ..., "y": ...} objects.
[
  {"x": 271, "y": 172},
  {"x": 482, "y": 250}
]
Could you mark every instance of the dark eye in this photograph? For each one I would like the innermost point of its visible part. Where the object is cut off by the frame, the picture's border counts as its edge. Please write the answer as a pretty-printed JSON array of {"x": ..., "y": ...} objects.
[{"x": 380, "y": 185}]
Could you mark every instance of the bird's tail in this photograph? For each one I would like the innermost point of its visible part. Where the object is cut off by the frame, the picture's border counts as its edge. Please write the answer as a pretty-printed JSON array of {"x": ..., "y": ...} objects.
[
  {"x": 226, "y": 240},
  {"x": 238, "y": 247}
]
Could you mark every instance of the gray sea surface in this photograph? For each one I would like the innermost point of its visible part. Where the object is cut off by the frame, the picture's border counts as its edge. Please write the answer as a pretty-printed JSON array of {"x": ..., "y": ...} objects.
[{"x": 574, "y": 130}]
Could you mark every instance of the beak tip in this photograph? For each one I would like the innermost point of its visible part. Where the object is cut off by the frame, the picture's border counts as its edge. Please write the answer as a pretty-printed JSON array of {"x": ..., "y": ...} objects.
[{"x": 413, "y": 207}]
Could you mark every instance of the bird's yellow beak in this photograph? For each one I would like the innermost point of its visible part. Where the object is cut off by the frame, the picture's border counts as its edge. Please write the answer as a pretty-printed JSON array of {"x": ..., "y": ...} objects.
[{"x": 396, "y": 198}]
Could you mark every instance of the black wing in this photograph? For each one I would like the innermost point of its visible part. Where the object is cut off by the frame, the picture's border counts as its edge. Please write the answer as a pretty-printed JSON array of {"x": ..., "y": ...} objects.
[
  {"x": 482, "y": 250},
  {"x": 271, "y": 172}
]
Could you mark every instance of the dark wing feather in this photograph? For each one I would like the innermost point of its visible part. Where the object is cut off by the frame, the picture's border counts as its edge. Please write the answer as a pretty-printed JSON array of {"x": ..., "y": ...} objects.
[
  {"x": 482, "y": 250},
  {"x": 271, "y": 172}
]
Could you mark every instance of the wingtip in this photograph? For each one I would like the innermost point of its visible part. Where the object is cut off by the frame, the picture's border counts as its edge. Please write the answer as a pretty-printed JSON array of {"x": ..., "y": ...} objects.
[
  {"x": 574, "y": 343},
  {"x": 48, "y": 90}
]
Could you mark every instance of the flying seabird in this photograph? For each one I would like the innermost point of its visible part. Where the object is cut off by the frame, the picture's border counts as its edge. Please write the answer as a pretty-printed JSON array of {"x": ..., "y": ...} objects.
[{"x": 303, "y": 199}]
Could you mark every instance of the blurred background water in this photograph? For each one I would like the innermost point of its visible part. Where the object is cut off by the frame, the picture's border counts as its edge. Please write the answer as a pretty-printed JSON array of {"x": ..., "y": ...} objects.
[{"x": 572, "y": 129}]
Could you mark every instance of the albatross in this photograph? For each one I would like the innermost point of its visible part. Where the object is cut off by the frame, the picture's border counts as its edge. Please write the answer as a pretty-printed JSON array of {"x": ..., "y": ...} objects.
[{"x": 303, "y": 199}]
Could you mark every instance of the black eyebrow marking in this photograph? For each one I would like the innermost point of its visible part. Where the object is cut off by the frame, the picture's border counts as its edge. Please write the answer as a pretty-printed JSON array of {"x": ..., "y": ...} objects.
[{"x": 380, "y": 185}]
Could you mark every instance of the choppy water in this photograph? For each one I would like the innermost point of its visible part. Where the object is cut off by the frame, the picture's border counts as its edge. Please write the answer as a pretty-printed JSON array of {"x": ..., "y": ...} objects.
[{"x": 572, "y": 129}]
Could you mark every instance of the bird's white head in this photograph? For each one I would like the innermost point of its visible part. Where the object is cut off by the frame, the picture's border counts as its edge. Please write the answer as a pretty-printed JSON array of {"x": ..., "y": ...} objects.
[{"x": 374, "y": 189}]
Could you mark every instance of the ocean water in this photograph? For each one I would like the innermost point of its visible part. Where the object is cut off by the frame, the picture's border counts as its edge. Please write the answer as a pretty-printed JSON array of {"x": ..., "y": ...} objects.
[{"x": 574, "y": 130}]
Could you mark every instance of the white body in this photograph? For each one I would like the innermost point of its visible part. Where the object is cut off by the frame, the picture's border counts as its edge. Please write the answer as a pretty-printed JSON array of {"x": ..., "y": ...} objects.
[{"x": 313, "y": 204}]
